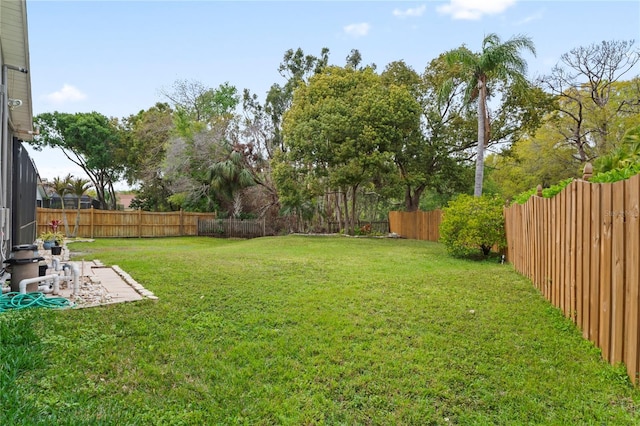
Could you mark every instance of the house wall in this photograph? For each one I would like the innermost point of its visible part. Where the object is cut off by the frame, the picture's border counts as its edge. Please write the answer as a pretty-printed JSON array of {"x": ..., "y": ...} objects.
[
  {"x": 5, "y": 219},
  {"x": 15, "y": 123},
  {"x": 24, "y": 190}
]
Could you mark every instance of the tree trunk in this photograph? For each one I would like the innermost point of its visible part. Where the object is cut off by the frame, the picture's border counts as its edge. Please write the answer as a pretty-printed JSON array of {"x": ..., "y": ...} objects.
[
  {"x": 100, "y": 196},
  {"x": 353, "y": 209},
  {"x": 482, "y": 117},
  {"x": 64, "y": 217},
  {"x": 345, "y": 199},
  {"x": 338, "y": 211},
  {"x": 77, "y": 224},
  {"x": 112, "y": 196},
  {"x": 412, "y": 200}
]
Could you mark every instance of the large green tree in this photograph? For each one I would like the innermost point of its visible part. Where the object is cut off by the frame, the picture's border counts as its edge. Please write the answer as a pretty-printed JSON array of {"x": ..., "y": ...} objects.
[
  {"x": 567, "y": 138},
  {"x": 625, "y": 155},
  {"x": 340, "y": 130},
  {"x": 91, "y": 141},
  {"x": 497, "y": 61},
  {"x": 592, "y": 100},
  {"x": 200, "y": 103},
  {"x": 296, "y": 68},
  {"x": 206, "y": 122},
  {"x": 257, "y": 141},
  {"x": 147, "y": 136},
  {"x": 429, "y": 157},
  {"x": 533, "y": 160}
]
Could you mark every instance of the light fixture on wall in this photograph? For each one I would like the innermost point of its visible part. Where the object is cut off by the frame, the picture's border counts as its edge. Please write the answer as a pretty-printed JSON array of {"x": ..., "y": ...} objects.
[{"x": 14, "y": 103}]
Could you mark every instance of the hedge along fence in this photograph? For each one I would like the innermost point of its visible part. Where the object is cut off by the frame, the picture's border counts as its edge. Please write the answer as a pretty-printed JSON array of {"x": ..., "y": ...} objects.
[
  {"x": 113, "y": 223},
  {"x": 417, "y": 225},
  {"x": 581, "y": 249}
]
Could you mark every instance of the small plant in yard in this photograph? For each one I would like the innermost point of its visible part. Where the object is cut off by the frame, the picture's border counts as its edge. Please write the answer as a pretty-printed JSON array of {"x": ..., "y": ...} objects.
[
  {"x": 364, "y": 229},
  {"x": 56, "y": 237},
  {"x": 52, "y": 234},
  {"x": 471, "y": 226},
  {"x": 54, "y": 225}
]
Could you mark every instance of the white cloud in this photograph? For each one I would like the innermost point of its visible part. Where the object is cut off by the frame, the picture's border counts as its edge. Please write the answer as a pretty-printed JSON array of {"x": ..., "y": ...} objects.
[
  {"x": 474, "y": 9},
  {"x": 410, "y": 13},
  {"x": 68, "y": 93},
  {"x": 357, "y": 30},
  {"x": 530, "y": 18}
]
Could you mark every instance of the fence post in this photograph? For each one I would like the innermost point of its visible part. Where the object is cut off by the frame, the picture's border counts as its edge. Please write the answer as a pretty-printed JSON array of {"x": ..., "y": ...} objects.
[
  {"x": 539, "y": 190},
  {"x": 91, "y": 223},
  {"x": 587, "y": 171},
  {"x": 139, "y": 223}
]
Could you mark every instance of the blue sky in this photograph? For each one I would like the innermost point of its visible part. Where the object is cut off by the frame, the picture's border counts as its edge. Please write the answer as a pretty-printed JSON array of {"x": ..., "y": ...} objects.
[{"x": 115, "y": 57}]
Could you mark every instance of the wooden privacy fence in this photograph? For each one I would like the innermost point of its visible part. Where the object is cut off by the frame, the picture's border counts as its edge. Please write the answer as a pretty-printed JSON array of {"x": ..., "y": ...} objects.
[
  {"x": 232, "y": 228},
  {"x": 418, "y": 225},
  {"x": 581, "y": 249},
  {"x": 113, "y": 223}
]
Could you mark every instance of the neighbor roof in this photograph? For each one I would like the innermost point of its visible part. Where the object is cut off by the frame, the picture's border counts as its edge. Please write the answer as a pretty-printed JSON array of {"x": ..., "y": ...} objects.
[{"x": 14, "y": 44}]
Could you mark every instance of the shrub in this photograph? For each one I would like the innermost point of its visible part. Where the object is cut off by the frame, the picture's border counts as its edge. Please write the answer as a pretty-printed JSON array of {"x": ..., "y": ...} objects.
[
  {"x": 473, "y": 225},
  {"x": 616, "y": 175},
  {"x": 364, "y": 230},
  {"x": 550, "y": 192}
]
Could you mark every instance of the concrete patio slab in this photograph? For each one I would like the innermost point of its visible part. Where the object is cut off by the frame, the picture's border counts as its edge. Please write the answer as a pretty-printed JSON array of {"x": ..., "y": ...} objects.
[{"x": 98, "y": 284}]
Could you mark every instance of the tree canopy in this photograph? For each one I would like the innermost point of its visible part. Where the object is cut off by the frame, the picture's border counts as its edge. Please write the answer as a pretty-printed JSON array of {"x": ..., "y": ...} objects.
[
  {"x": 591, "y": 98},
  {"x": 334, "y": 144},
  {"x": 91, "y": 141},
  {"x": 341, "y": 129}
]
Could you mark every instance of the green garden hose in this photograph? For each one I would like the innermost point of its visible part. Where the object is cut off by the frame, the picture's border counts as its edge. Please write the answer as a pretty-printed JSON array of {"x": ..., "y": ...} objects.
[{"x": 14, "y": 300}]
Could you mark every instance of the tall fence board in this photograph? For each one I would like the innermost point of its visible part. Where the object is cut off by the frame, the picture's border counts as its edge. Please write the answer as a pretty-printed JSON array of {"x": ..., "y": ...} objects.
[
  {"x": 581, "y": 249},
  {"x": 111, "y": 223},
  {"x": 417, "y": 225}
]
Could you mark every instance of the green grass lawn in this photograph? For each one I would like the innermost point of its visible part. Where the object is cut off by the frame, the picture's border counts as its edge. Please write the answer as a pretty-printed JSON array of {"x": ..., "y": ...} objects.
[{"x": 307, "y": 330}]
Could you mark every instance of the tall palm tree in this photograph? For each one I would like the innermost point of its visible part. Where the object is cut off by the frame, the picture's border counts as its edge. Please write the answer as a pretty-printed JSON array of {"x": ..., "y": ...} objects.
[
  {"x": 78, "y": 187},
  {"x": 62, "y": 186},
  {"x": 497, "y": 61}
]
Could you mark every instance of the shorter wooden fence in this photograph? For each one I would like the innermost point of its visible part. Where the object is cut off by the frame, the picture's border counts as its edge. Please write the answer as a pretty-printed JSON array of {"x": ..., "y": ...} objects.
[
  {"x": 231, "y": 228},
  {"x": 418, "y": 225},
  {"x": 113, "y": 223}
]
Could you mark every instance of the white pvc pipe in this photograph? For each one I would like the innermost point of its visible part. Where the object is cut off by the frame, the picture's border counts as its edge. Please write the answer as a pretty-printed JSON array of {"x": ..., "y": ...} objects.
[
  {"x": 45, "y": 288},
  {"x": 75, "y": 275},
  {"x": 56, "y": 282},
  {"x": 3, "y": 280},
  {"x": 76, "y": 278}
]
